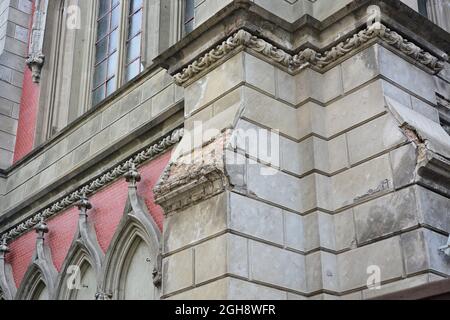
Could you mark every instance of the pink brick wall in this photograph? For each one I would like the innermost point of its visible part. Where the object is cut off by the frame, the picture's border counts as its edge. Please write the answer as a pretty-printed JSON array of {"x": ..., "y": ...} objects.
[{"x": 108, "y": 206}]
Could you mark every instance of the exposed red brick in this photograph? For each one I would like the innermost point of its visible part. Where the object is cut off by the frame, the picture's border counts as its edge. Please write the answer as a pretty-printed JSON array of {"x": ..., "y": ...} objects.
[
  {"x": 108, "y": 207},
  {"x": 29, "y": 104}
]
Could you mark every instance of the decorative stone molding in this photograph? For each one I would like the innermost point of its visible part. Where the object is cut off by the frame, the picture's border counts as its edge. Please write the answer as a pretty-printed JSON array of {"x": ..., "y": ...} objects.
[
  {"x": 90, "y": 188},
  {"x": 86, "y": 235},
  {"x": 193, "y": 177},
  {"x": 7, "y": 285},
  {"x": 139, "y": 213},
  {"x": 41, "y": 266},
  {"x": 309, "y": 57},
  {"x": 35, "y": 64},
  {"x": 85, "y": 245},
  {"x": 36, "y": 58},
  {"x": 136, "y": 221}
]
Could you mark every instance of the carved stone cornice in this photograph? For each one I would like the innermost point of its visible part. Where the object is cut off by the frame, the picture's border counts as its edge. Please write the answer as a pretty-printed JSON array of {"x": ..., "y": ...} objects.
[
  {"x": 73, "y": 197},
  {"x": 193, "y": 177},
  {"x": 310, "y": 57}
]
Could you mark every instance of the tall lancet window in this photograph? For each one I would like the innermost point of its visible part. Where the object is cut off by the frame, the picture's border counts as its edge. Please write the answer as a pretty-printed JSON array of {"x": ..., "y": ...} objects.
[
  {"x": 189, "y": 14},
  {"x": 107, "y": 50},
  {"x": 134, "y": 36}
]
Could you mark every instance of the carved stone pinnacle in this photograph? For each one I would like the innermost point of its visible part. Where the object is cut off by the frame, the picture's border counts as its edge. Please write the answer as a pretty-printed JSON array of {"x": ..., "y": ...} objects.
[
  {"x": 41, "y": 228},
  {"x": 84, "y": 203},
  {"x": 132, "y": 176},
  {"x": 4, "y": 247}
]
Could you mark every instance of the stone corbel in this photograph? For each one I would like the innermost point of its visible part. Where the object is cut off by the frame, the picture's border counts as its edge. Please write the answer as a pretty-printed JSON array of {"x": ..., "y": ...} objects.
[
  {"x": 86, "y": 236},
  {"x": 136, "y": 210},
  {"x": 193, "y": 177},
  {"x": 7, "y": 284},
  {"x": 432, "y": 144},
  {"x": 35, "y": 62}
]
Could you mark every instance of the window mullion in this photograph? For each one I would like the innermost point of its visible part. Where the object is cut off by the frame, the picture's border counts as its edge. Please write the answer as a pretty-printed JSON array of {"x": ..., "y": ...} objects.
[{"x": 122, "y": 41}]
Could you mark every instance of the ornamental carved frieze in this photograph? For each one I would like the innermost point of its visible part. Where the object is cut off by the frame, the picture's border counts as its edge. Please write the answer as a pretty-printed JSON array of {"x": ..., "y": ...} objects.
[
  {"x": 309, "y": 57},
  {"x": 72, "y": 198}
]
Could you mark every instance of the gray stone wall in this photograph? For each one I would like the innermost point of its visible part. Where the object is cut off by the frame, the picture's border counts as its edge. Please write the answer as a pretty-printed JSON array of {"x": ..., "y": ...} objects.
[
  {"x": 312, "y": 229},
  {"x": 14, "y": 24}
]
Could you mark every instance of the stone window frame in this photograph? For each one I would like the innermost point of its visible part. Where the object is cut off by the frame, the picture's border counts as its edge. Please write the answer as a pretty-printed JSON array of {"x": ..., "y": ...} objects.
[
  {"x": 77, "y": 256},
  {"x": 52, "y": 118},
  {"x": 120, "y": 253},
  {"x": 188, "y": 23},
  {"x": 121, "y": 78},
  {"x": 175, "y": 11},
  {"x": 30, "y": 283},
  {"x": 136, "y": 223},
  {"x": 129, "y": 16},
  {"x": 112, "y": 72},
  {"x": 443, "y": 105}
]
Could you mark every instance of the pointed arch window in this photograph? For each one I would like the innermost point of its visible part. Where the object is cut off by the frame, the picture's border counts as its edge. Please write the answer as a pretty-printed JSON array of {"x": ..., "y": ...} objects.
[
  {"x": 134, "y": 37},
  {"x": 40, "y": 291},
  {"x": 118, "y": 49},
  {"x": 106, "y": 49}
]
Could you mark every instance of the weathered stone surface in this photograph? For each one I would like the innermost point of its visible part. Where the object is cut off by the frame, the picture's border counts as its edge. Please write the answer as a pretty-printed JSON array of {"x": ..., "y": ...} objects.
[
  {"x": 360, "y": 182},
  {"x": 355, "y": 109},
  {"x": 294, "y": 228},
  {"x": 344, "y": 227},
  {"x": 225, "y": 77},
  {"x": 360, "y": 68},
  {"x": 222, "y": 255},
  {"x": 404, "y": 163},
  {"x": 260, "y": 74},
  {"x": 217, "y": 290},
  {"x": 256, "y": 219},
  {"x": 243, "y": 290},
  {"x": 386, "y": 215},
  {"x": 433, "y": 209},
  {"x": 421, "y": 251},
  {"x": 269, "y": 112},
  {"x": 321, "y": 272},
  {"x": 178, "y": 271},
  {"x": 320, "y": 87},
  {"x": 403, "y": 284},
  {"x": 331, "y": 156},
  {"x": 374, "y": 138},
  {"x": 352, "y": 265},
  {"x": 437, "y": 139},
  {"x": 196, "y": 223},
  {"x": 287, "y": 269},
  {"x": 406, "y": 75},
  {"x": 425, "y": 109},
  {"x": 414, "y": 252}
]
